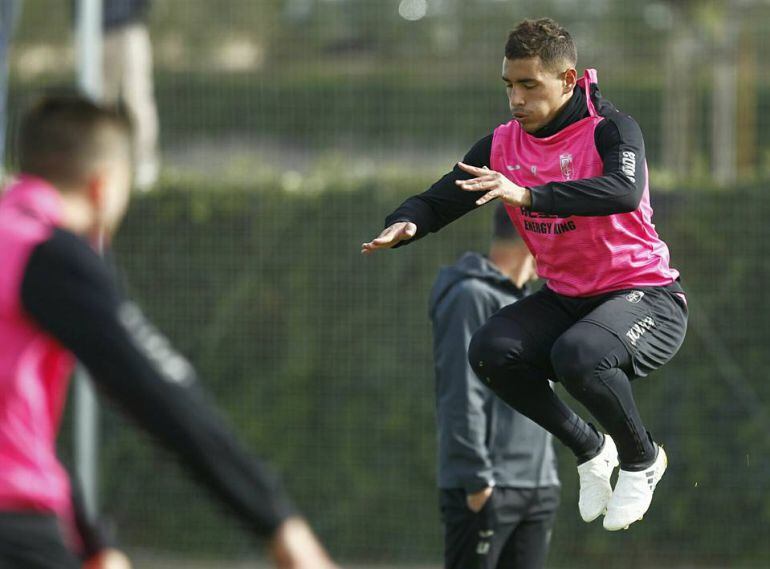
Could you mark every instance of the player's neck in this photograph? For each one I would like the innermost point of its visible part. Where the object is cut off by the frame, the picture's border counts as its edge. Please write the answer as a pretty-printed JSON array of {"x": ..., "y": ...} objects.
[
  {"x": 512, "y": 262},
  {"x": 572, "y": 110},
  {"x": 77, "y": 214},
  {"x": 519, "y": 275}
]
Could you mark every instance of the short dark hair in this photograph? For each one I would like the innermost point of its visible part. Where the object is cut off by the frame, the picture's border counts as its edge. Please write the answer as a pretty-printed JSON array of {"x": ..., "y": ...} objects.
[
  {"x": 61, "y": 136},
  {"x": 543, "y": 38},
  {"x": 502, "y": 226}
]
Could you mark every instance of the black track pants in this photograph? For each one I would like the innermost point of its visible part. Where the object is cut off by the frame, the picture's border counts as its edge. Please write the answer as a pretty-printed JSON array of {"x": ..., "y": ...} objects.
[
  {"x": 594, "y": 346},
  {"x": 33, "y": 541},
  {"x": 512, "y": 531}
]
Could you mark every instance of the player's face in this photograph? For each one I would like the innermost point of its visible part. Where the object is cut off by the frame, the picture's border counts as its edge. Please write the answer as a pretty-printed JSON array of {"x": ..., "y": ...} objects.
[
  {"x": 109, "y": 191},
  {"x": 118, "y": 194},
  {"x": 536, "y": 94}
]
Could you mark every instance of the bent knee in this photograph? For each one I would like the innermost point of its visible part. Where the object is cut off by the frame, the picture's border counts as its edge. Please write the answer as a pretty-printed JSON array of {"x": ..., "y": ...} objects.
[
  {"x": 489, "y": 353},
  {"x": 481, "y": 355},
  {"x": 573, "y": 360}
]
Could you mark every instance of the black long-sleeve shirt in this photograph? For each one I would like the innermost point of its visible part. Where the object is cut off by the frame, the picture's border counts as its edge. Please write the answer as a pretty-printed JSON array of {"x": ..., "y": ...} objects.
[
  {"x": 92, "y": 528},
  {"x": 68, "y": 290},
  {"x": 619, "y": 189}
]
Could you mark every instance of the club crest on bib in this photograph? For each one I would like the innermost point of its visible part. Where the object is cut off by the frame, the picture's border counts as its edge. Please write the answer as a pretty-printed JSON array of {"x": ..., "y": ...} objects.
[
  {"x": 565, "y": 161},
  {"x": 634, "y": 296}
]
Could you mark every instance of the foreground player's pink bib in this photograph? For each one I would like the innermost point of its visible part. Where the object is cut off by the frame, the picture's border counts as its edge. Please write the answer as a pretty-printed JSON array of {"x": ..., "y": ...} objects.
[
  {"x": 34, "y": 368},
  {"x": 579, "y": 256}
]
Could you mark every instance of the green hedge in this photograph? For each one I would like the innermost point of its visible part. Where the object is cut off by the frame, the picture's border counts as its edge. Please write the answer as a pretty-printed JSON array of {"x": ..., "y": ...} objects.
[{"x": 321, "y": 359}]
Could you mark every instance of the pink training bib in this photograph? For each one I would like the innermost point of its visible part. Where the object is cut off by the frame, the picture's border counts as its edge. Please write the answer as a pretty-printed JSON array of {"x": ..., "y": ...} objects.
[
  {"x": 34, "y": 368},
  {"x": 577, "y": 255}
]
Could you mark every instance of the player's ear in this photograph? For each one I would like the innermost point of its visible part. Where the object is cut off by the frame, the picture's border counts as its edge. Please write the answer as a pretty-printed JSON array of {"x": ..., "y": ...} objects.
[
  {"x": 97, "y": 193},
  {"x": 570, "y": 80},
  {"x": 96, "y": 190}
]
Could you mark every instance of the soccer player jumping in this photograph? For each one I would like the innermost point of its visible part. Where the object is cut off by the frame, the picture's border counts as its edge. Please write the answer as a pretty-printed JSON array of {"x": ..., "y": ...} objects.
[{"x": 571, "y": 170}]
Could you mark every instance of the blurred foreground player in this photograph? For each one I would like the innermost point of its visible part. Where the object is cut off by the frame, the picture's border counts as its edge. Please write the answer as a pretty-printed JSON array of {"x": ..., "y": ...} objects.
[
  {"x": 499, "y": 488},
  {"x": 571, "y": 170},
  {"x": 58, "y": 302}
]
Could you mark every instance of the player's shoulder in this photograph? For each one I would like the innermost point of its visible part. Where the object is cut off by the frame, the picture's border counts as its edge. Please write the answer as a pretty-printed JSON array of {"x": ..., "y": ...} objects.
[
  {"x": 618, "y": 126},
  {"x": 65, "y": 276},
  {"x": 65, "y": 247},
  {"x": 620, "y": 119},
  {"x": 65, "y": 255},
  {"x": 611, "y": 114}
]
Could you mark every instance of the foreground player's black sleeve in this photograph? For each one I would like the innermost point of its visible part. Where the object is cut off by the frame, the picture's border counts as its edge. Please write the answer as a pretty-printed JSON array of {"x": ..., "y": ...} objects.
[
  {"x": 93, "y": 532},
  {"x": 619, "y": 189},
  {"x": 444, "y": 201},
  {"x": 69, "y": 292}
]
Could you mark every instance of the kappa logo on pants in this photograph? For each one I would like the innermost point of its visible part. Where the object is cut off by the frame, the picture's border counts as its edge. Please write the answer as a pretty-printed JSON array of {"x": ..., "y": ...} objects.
[
  {"x": 639, "y": 329},
  {"x": 634, "y": 296}
]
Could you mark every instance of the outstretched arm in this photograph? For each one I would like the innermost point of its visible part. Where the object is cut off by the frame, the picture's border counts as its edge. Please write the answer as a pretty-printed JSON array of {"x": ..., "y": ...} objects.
[
  {"x": 68, "y": 291},
  {"x": 431, "y": 210}
]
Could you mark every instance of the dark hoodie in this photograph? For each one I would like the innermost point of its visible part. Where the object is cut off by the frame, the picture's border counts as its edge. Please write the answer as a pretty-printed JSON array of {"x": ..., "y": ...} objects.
[{"x": 481, "y": 440}]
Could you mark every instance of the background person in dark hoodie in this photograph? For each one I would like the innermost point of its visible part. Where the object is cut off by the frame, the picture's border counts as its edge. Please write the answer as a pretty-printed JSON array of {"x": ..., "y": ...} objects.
[{"x": 499, "y": 489}]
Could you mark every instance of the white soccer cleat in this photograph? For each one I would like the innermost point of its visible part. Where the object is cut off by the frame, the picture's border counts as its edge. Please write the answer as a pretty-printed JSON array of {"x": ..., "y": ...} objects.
[
  {"x": 595, "y": 487},
  {"x": 633, "y": 494}
]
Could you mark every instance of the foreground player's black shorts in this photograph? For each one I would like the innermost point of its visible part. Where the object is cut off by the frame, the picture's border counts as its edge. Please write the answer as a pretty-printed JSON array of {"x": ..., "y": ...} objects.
[{"x": 33, "y": 541}]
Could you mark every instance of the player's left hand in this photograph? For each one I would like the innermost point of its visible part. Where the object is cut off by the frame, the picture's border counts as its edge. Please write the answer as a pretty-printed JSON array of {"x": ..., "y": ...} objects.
[
  {"x": 495, "y": 185},
  {"x": 108, "y": 559}
]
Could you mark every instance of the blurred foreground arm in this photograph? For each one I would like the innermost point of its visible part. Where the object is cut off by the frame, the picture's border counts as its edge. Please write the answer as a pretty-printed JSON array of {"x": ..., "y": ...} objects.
[
  {"x": 292, "y": 547},
  {"x": 68, "y": 291},
  {"x": 295, "y": 547},
  {"x": 108, "y": 559}
]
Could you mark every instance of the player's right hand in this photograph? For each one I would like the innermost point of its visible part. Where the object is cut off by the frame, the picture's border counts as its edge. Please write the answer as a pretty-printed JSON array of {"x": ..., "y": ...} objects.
[
  {"x": 391, "y": 236},
  {"x": 294, "y": 546}
]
